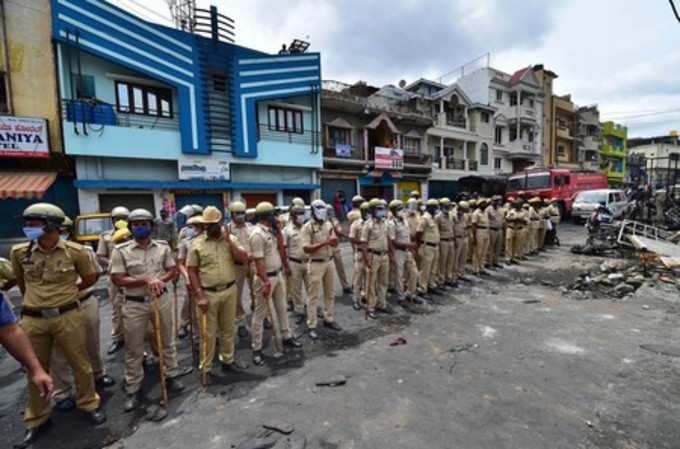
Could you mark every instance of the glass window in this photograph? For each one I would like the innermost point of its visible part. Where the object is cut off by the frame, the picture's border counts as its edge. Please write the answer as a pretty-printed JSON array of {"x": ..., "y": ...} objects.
[
  {"x": 498, "y": 138},
  {"x": 339, "y": 136},
  {"x": 142, "y": 99},
  {"x": 591, "y": 196},
  {"x": 513, "y": 133},
  {"x": 513, "y": 98},
  {"x": 84, "y": 86},
  {"x": 497, "y": 163},
  {"x": 484, "y": 154},
  {"x": 152, "y": 102},
  {"x": 485, "y": 117},
  {"x": 286, "y": 120},
  {"x": 298, "y": 122},
  {"x": 138, "y": 100},
  {"x": 411, "y": 145},
  {"x": 538, "y": 182},
  {"x": 561, "y": 150},
  {"x": 165, "y": 108},
  {"x": 516, "y": 183},
  {"x": 123, "y": 99},
  {"x": 499, "y": 95}
]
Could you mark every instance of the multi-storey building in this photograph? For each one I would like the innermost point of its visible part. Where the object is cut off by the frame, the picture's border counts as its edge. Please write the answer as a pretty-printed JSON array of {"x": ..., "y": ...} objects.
[
  {"x": 34, "y": 166},
  {"x": 362, "y": 127},
  {"x": 158, "y": 117},
  {"x": 588, "y": 138},
  {"x": 657, "y": 158},
  {"x": 563, "y": 132}
]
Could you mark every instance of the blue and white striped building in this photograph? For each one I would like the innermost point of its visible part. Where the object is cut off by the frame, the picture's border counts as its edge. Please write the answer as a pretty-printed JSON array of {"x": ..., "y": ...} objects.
[{"x": 157, "y": 116}]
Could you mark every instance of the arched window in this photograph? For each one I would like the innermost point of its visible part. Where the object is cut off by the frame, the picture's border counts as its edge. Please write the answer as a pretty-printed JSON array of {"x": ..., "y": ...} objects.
[{"x": 484, "y": 154}]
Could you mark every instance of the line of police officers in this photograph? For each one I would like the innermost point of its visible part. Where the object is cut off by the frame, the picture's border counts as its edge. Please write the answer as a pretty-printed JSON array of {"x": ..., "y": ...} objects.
[{"x": 417, "y": 249}]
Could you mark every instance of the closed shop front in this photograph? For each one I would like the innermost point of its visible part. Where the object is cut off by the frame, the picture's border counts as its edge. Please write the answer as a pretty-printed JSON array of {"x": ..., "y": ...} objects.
[
  {"x": 252, "y": 199},
  {"x": 108, "y": 201},
  {"x": 439, "y": 189},
  {"x": 404, "y": 189}
]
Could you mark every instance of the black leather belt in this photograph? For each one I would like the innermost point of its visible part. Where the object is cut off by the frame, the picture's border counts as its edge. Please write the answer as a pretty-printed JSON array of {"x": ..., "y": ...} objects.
[
  {"x": 445, "y": 240},
  {"x": 293, "y": 259},
  {"x": 432, "y": 244},
  {"x": 535, "y": 219},
  {"x": 320, "y": 260},
  {"x": 219, "y": 288},
  {"x": 495, "y": 229},
  {"x": 483, "y": 227},
  {"x": 49, "y": 312},
  {"x": 273, "y": 274},
  {"x": 135, "y": 298},
  {"x": 460, "y": 237},
  {"x": 377, "y": 253}
]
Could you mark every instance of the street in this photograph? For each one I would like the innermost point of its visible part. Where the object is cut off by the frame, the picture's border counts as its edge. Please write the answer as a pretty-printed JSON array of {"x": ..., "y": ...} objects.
[{"x": 504, "y": 361}]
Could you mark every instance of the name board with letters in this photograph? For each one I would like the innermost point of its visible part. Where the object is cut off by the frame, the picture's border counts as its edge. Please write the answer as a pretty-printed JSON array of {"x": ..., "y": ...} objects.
[{"x": 23, "y": 137}]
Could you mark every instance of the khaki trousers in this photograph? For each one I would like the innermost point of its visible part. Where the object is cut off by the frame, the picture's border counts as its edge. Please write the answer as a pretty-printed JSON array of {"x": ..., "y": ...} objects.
[
  {"x": 340, "y": 269},
  {"x": 509, "y": 236},
  {"x": 481, "y": 250},
  {"x": 406, "y": 274},
  {"x": 275, "y": 305},
  {"x": 462, "y": 248},
  {"x": 358, "y": 277},
  {"x": 242, "y": 272},
  {"x": 540, "y": 238},
  {"x": 446, "y": 255},
  {"x": 59, "y": 368},
  {"x": 380, "y": 274},
  {"x": 220, "y": 322},
  {"x": 495, "y": 244},
  {"x": 518, "y": 244},
  {"x": 321, "y": 281},
  {"x": 117, "y": 298},
  {"x": 524, "y": 240},
  {"x": 136, "y": 318},
  {"x": 429, "y": 267},
  {"x": 533, "y": 237},
  {"x": 68, "y": 331},
  {"x": 298, "y": 277}
]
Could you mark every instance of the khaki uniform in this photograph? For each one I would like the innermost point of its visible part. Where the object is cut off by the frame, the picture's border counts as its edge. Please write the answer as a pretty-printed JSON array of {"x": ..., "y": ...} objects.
[
  {"x": 358, "y": 268},
  {"x": 504, "y": 229},
  {"x": 89, "y": 309},
  {"x": 412, "y": 220},
  {"x": 495, "y": 234},
  {"x": 405, "y": 265},
  {"x": 183, "y": 248},
  {"x": 243, "y": 270},
  {"x": 155, "y": 260},
  {"x": 49, "y": 280},
  {"x": 217, "y": 273},
  {"x": 374, "y": 236},
  {"x": 524, "y": 231},
  {"x": 116, "y": 294},
  {"x": 554, "y": 216},
  {"x": 430, "y": 245},
  {"x": 517, "y": 223},
  {"x": 460, "y": 232},
  {"x": 446, "y": 248},
  {"x": 337, "y": 261},
  {"x": 320, "y": 269},
  {"x": 534, "y": 229},
  {"x": 543, "y": 215},
  {"x": 480, "y": 222},
  {"x": 298, "y": 266},
  {"x": 353, "y": 215},
  {"x": 263, "y": 245}
]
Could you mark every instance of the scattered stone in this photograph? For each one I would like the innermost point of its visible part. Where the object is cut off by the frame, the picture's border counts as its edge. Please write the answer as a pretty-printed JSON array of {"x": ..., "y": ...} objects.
[
  {"x": 589, "y": 423},
  {"x": 333, "y": 381},
  {"x": 623, "y": 289},
  {"x": 279, "y": 426},
  {"x": 636, "y": 280},
  {"x": 606, "y": 267},
  {"x": 614, "y": 277},
  {"x": 672, "y": 351},
  {"x": 645, "y": 307},
  {"x": 564, "y": 289},
  {"x": 259, "y": 443},
  {"x": 528, "y": 281},
  {"x": 334, "y": 442},
  {"x": 531, "y": 301}
]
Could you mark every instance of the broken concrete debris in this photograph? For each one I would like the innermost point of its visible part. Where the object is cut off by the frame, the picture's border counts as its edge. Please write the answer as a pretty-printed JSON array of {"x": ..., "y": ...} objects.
[
  {"x": 279, "y": 426},
  {"x": 278, "y": 435},
  {"x": 333, "y": 381}
]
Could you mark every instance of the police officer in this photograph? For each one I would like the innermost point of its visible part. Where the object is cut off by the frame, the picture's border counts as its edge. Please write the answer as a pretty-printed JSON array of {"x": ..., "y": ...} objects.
[
  {"x": 554, "y": 214},
  {"x": 412, "y": 219},
  {"x": 460, "y": 231},
  {"x": 116, "y": 296},
  {"x": 524, "y": 233},
  {"x": 375, "y": 251},
  {"x": 89, "y": 310},
  {"x": 515, "y": 226},
  {"x": 446, "y": 243},
  {"x": 144, "y": 266},
  {"x": 480, "y": 227},
  {"x": 241, "y": 229},
  {"x": 297, "y": 261},
  {"x": 270, "y": 292},
  {"x": 427, "y": 237},
  {"x": 355, "y": 213},
  {"x": 544, "y": 215},
  {"x": 495, "y": 215},
  {"x": 318, "y": 241},
  {"x": 402, "y": 249},
  {"x": 50, "y": 273},
  {"x": 358, "y": 268},
  {"x": 194, "y": 228},
  {"x": 337, "y": 253},
  {"x": 535, "y": 225}
]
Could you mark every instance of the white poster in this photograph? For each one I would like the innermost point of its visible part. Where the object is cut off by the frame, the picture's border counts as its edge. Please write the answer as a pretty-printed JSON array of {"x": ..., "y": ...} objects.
[
  {"x": 203, "y": 169},
  {"x": 23, "y": 137}
]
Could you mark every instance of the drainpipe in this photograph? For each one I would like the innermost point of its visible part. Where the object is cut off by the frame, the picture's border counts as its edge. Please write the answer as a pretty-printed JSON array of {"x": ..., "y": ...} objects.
[{"x": 5, "y": 59}]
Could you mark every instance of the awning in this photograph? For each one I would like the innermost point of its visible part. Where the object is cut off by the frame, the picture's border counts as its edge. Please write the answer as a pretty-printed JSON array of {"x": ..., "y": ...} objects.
[{"x": 25, "y": 185}]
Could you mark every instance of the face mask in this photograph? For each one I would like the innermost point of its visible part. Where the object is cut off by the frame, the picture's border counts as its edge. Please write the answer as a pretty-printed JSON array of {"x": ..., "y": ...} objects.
[
  {"x": 321, "y": 214},
  {"x": 436, "y": 212},
  {"x": 190, "y": 232},
  {"x": 33, "y": 233},
  {"x": 380, "y": 213},
  {"x": 63, "y": 237},
  {"x": 308, "y": 214},
  {"x": 423, "y": 208},
  {"x": 141, "y": 232},
  {"x": 300, "y": 219},
  {"x": 239, "y": 217},
  {"x": 400, "y": 213}
]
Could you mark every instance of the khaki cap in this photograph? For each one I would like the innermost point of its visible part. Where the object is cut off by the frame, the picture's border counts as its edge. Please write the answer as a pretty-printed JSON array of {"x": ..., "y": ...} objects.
[
  {"x": 444, "y": 201},
  {"x": 432, "y": 202},
  {"x": 375, "y": 202},
  {"x": 211, "y": 215},
  {"x": 237, "y": 206},
  {"x": 396, "y": 203},
  {"x": 196, "y": 219},
  {"x": 364, "y": 206}
]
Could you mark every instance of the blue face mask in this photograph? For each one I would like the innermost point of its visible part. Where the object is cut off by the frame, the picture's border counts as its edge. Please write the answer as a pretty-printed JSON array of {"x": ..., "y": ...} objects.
[
  {"x": 33, "y": 233},
  {"x": 141, "y": 232},
  {"x": 190, "y": 232},
  {"x": 63, "y": 237},
  {"x": 380, "y": 213}
]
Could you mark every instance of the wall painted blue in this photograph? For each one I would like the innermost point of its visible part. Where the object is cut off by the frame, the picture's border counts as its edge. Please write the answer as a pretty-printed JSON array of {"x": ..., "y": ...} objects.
[{"x": 198, "y": 185}]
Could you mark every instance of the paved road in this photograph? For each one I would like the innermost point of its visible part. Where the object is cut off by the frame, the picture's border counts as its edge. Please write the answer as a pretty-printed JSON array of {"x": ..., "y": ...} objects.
[{"x": 495, "y": 364}]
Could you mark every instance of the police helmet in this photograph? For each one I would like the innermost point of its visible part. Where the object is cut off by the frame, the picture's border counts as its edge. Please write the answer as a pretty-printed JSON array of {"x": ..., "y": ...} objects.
[
  {"x": 51, "y": 214},
  {"x": 120, "y": 212},
  {"x": 140, "y": 215}
]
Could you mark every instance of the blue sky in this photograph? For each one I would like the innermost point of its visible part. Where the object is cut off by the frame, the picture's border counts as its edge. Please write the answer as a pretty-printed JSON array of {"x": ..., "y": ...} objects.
[{"x": 623, "y": 55}]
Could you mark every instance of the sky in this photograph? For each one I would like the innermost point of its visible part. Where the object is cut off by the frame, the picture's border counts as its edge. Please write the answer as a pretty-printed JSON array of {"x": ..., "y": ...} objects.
[{"x": 623, "y": 55}]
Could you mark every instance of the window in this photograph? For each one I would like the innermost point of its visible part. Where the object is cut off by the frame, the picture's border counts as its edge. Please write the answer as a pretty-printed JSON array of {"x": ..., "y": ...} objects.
[
  {"x": 530, "y": 136},
  {"x": 83, "y": 86},
  {"x": 339, "y": 136},
  {"x": 4, "y": 104},
  {"x": 531, "y": 102},
  {"x": 561, "y": 150},
  {"x": 499, "y": 95},
  {"x": 513, "y": 98},
  {"x": 484, "y": 154},
  {"x": 286, "y": 120},
  {"x": 485, "y": 117},
  {"x": 513, "y": 133},
  {"x": 411, "y": 145},
  {"x": 498, "y": 138},
  {"x": 497, "y": 163},
  {"x": 143, "y": 100}
]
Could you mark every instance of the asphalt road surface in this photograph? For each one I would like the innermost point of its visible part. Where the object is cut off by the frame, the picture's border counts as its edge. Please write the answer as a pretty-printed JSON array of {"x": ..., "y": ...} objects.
[{"x": 504, "y": 361}]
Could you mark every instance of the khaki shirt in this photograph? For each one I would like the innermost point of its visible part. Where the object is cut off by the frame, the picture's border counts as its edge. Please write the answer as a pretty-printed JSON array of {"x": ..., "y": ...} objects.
[
  {"x": 445, "y": 225},
  {"x": 480, "y": 219},
  {"x": 95, "y": 265},
  {"x": 213, "y": 260},
  {"x": 460, "y": 225},
  {"x": 105, "y": 245},
  {"x": 184, "y": 247},
  {"x": 355, "y": 230},
  {"x": 263, "y": 245},
  {"x": 50, "y": 278},
  {"x": 535, "y": 218},
  {"x": 398, "y": 230},
  {"x": 6, "y": 272},
  {"x": 513, "y": 219},
  {"x": 413, "y": 220},
  {"x": 495, "y": 217},
  {"x": 554, "y": 214},
  {"x": 134, "y": 260},
  {"x": 374, "y": 234},
  {"x": 353, "y": 215},
  {"x": 293, "y": 242},
  {"x": 429, "y": 228},
  {"x": 314, "y": 233},
  {"x": 523, "y": 217},
  {"x": 242, "y": 234}
]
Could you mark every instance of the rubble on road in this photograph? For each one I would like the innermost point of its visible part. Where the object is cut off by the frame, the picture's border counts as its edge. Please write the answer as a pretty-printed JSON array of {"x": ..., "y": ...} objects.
[
  {"x": 333, "y": 381},
  {"x": 277, "y": 435}
]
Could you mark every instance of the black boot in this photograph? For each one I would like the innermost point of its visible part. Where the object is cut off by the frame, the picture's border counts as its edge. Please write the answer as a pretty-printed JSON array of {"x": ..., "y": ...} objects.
[{"x": 32, "y": 435}]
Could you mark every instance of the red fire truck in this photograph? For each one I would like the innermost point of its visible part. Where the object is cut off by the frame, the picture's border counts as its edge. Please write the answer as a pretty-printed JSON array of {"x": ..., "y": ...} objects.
[{"x": 559, "y": 183}]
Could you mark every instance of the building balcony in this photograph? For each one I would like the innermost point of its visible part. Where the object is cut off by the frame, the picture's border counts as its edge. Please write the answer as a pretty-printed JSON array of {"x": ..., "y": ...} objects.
[
  {"x": 448, "y": 120},
  {"x": 611, "y": 150},
  {"x": 522, "y": 148},
  {"x": 453, "y": 164},
  {"x": 563, "y": 132},
  {"x": 592, "y": 143},
  {"x": 522, "y": 112},
  {"x": 350, "y": 154}
]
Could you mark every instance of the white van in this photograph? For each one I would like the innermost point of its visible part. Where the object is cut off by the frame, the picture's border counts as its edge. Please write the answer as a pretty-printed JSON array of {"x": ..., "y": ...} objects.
[{"x": 586, "y": 203}]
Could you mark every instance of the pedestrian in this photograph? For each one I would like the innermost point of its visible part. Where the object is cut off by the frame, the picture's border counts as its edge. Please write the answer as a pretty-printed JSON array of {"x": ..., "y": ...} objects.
[
  {"x": 164, "y": 229},
  {"x": 119, "y": 215},
  {"x": 240, "y": 228},
  {"x": 270, "y": 292},
  {"x": 495, "y": 215},
  {"x": 319, "y": 241},
  {"x": 403, "y": 249},
  {"x": 89, "y": 310},
  {"x": 460, "y": 231},
  {"x": 50, "y": 272},
  {"x": 143, "y": 267},
  {"x": 427, "y": 237},
  {"x": 375, "y": 251},
  {"x": 358, "y": 268},
  {"x": 297, "y": 261},
  {"x": 194, "y": 229},
  {"x": 544, "y": 214},
  {"x": 446, "y": 243},
  {"x": 480, "y": 227}
]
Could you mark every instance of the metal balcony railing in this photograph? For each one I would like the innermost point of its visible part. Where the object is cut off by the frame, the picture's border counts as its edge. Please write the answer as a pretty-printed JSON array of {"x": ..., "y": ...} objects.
[
  {"x": 307, "y": 137},
  {"x": 355, "y": 153},
  {"x": 97, "y": 114},
  {"x": 472, "y": 165},
  {"x": 455, "y": 164}
]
